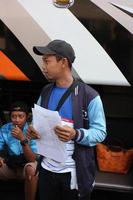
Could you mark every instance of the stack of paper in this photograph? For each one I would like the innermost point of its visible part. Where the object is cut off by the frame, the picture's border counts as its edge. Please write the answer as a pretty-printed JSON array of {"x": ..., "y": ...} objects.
[{"x": 49, "y": 145}]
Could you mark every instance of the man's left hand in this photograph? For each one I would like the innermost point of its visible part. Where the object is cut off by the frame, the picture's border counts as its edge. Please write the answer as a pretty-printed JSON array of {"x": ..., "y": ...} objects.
[{"x": 65, "y": 133}]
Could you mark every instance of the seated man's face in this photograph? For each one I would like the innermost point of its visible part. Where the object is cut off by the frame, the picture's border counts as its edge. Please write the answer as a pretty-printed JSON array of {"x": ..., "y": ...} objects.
[{"x": 18, "y": 118}]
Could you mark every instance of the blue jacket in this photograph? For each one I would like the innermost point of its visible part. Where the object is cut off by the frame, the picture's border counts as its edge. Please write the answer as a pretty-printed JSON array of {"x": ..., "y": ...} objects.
[{"x": 89, "y": 133}]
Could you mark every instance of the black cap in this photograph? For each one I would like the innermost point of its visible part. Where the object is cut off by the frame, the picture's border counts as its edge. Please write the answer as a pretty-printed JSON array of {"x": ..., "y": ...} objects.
[
  {"x": 19, "y": 106},
  {"x": 56, "y": 47}
]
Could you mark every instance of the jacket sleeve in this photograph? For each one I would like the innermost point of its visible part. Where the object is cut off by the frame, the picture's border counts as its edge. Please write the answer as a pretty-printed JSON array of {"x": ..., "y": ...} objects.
[
  {"x": 33, "y": 146},
  {"x": 2, "y": 142},
  {"x": 97, "y": 125}
]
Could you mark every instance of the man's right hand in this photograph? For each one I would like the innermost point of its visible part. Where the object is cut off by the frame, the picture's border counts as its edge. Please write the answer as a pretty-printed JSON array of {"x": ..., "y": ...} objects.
[{"x": 32, "y": 133}]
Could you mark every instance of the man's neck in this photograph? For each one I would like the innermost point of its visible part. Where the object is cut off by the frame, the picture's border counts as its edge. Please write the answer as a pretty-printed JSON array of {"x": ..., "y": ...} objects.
[{"x": 64, "y": 82}]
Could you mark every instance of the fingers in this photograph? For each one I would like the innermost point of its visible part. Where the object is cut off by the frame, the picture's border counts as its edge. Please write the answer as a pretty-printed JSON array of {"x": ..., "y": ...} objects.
[
  {"x": 65, "y": 133},
  {"x": 32, "y": 133},
  {"x": 32, "y": 128},
  {"x": 17, "y": 133}
]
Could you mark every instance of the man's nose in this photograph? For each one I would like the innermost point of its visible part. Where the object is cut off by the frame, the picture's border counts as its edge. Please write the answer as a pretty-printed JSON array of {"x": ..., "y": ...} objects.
[
  {"x": 17, "y": 118},
  {"x": 43, "y": 68}
]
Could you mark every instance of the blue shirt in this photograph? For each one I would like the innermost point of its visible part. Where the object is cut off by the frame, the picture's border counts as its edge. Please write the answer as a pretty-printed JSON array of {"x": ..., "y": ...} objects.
[
  {"x": 66, "y": 109},
  {"x": 14, "y": 146}
]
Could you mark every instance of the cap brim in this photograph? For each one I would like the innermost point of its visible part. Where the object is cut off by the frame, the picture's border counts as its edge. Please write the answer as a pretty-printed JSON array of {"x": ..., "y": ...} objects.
[{"x": 42, "y": 51}]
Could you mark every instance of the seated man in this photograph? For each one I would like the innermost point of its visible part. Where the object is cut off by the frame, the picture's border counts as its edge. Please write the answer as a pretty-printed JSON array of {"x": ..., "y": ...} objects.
[{"x": 21, "y": 153}]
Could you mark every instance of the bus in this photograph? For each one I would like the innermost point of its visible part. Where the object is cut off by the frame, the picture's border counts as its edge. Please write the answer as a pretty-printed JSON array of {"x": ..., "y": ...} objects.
[{"x": 101, "y": 32}]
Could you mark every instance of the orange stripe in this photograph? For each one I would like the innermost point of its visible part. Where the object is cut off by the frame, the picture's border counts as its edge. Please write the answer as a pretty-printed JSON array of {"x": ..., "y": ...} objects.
[{"x": 9, "y": 70}]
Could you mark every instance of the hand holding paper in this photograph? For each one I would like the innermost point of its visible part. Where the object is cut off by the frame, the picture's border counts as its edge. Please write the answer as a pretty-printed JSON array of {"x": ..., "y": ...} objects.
[{"x": 65, "y": 133}]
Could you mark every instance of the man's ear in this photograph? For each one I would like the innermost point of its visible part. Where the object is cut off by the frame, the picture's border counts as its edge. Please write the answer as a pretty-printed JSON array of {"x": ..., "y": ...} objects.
[{"x": 65, "y": 62}]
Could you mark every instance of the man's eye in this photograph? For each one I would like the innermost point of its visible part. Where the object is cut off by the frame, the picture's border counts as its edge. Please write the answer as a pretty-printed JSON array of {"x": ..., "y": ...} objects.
[{"x": 21, "y": 116}]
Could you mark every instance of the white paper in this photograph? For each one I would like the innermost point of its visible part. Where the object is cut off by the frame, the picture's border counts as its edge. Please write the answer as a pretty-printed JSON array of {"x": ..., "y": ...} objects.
[{"x": 49, "y": 145}]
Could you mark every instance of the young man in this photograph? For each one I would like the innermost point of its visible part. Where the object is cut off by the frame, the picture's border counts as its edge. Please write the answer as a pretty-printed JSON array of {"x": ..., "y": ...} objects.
[
  {"x": 85, "y": 127},
  {"x": 13, "y": 135}
]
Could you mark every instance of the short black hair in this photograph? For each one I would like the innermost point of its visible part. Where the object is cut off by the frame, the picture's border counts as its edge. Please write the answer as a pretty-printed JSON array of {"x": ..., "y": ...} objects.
[{"x": 19, "y": 106}]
